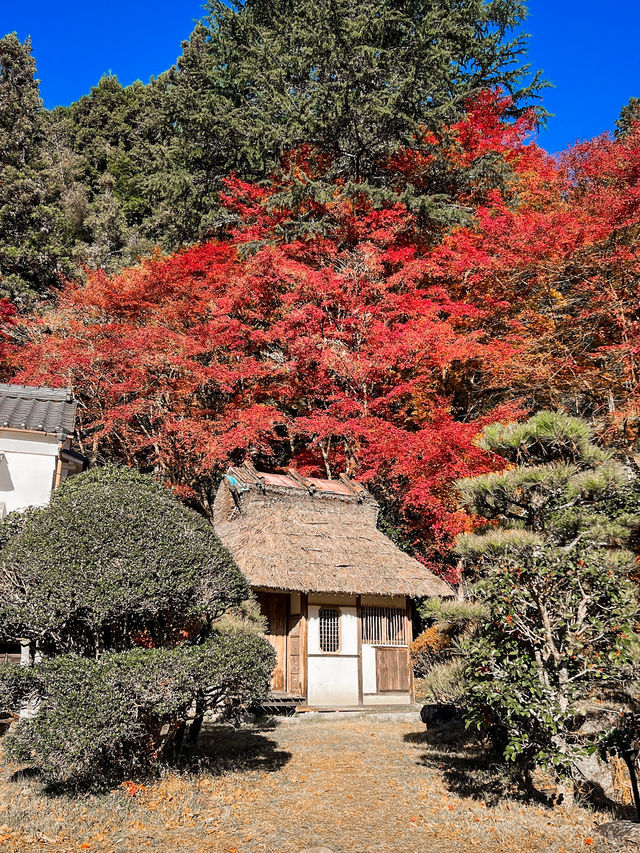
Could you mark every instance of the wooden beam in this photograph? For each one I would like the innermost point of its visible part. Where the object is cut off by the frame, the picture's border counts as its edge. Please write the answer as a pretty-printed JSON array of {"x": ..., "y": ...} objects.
[
  {"x": 304, "y": 644},
  {"x": 58, "y": 478},
  {"x": 354, "y": 487},
  {"x": 300, "y": 480},
  {"x": 254, "y": 472}
]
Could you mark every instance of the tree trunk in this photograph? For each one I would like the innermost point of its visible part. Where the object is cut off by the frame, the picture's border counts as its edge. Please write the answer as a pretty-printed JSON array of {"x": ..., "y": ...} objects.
[
  {"x": 194, "y": 728},
  {"x": 196, "y": 725},
  {"x": 630, "y": 759}
]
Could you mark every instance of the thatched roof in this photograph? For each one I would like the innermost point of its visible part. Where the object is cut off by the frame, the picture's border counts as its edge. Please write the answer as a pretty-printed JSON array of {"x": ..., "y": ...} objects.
[{"x": 311, "y": 535}]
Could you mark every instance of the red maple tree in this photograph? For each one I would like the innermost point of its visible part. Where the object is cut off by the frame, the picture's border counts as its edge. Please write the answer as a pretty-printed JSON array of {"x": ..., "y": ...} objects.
[{"x": 371, "y": 345}]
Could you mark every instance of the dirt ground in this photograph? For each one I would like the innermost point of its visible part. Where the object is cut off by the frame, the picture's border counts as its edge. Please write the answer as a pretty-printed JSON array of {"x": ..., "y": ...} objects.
[{"x": 351, "y": 784}]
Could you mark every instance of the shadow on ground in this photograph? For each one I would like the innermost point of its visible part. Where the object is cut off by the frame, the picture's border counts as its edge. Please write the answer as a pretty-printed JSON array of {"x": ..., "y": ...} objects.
[
  {"x": 594, "y": 795},
  {"x": 472, "y": 769},
  {"x": 223, "y": 748},
  {"x": 220, "y": 748},
  {"x": 469, "y": 767}
]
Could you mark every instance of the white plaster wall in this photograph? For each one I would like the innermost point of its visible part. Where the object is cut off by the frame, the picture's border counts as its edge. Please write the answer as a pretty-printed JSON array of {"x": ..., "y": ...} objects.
[
  {"x": 333, "y": 677},
  {"x": 348, "y": 631},
  {"x": 333, "y": 680},
  {"x": 387, "y": 699},
  {"x": 27, "y": 469},
  {"x": 369, "y": 669}
]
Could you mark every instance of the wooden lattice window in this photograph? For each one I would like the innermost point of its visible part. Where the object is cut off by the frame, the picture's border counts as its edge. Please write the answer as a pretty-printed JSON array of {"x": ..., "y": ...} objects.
[
  {"x": 384, "y": 626},
  {"x": 329, "y": 619}
]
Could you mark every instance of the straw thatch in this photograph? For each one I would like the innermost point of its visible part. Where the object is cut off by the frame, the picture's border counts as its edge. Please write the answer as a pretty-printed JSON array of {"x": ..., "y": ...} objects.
[{"x": 311, "y": 535}]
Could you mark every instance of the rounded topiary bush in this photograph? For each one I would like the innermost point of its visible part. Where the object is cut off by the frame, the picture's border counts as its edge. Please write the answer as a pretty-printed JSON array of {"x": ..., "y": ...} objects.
[
  {"x": 137, "y": 610},
  {"x": 113, "y": 559}
]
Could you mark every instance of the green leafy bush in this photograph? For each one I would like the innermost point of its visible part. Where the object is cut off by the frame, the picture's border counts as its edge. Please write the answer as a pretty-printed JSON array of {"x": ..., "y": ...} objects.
[
  {"x": 119, "y": 715},
  {"x": 143, "y": 620},
  {"x": 113, "y": 558},
  {"x": 555, "y": 628}
]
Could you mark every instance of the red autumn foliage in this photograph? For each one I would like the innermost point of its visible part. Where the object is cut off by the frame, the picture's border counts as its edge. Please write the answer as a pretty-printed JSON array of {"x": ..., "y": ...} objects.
[
  {"x": 565, "y": 263},
  {"x": 189, "y": 362},
  {"x": 7, "y": 320},
  {"x": 377, "y": 345}
]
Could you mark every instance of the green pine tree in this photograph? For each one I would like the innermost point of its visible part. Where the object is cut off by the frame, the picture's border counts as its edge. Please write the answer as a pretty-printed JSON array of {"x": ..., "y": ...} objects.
[
  {"x": 34, "y": 254},
  {"x": 629, "y": 115},
  {"x": 552, "y": 572},
  {"x": 99, "y": 152},
  {"x": 356, "y": 79}
]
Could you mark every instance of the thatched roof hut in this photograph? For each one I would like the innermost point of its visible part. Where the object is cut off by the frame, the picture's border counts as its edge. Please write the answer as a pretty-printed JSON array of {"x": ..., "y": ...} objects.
[{"x": 305, "y": 534}]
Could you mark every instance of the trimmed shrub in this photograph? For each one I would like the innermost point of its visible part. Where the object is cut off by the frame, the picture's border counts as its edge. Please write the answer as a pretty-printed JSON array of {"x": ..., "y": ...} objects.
[
  {"x": 117, "y": 716},
  {"x": 433, "y": 644},
  {"x": 143, "y": 619},
  {"x": 113, "y": 558},
  {"x": 552, "y": 573},
  {"x": 448, "y": 622},
  {"x": 445, "y": 683}
]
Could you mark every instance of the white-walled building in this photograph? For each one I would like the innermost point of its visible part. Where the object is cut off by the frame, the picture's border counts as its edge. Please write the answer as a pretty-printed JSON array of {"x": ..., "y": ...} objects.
[
  {"x": 36, "y": 428},
  {"x": 335, "y": 591}
]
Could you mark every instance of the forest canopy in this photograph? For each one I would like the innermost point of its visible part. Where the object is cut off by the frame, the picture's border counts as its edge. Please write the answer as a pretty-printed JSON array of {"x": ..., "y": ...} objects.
[{"x": 126, "y": 169}]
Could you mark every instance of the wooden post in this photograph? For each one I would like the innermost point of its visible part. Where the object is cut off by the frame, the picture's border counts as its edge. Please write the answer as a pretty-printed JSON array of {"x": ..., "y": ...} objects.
[
  {"x": 359, "y": 630},
  {"x": 25, "y": 652},
  {"x": 58, "y": 476},
  {"x": 304, "y": 644},
  {"x": 409, "y": 633}
]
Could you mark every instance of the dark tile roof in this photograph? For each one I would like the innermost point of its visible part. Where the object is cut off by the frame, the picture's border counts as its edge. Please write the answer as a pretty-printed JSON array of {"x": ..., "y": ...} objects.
[{"x": 51, "y": 410}]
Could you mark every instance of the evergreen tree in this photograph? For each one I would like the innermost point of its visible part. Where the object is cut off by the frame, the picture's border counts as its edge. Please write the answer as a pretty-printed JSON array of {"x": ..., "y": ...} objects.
[
  {"x": 357, "y": 79},
  {"x": 33, "y": 240},
  {"x": 351, "y": 82},
  {"x": 629, "y": 115},
  {"x": 553, "y": 569},
  {"x": 98, "y": 152},
  {"x": 193, "y": 143}
]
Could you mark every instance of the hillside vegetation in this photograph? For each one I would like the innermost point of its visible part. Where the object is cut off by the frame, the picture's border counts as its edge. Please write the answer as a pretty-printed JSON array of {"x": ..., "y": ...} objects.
[{"x": 372, "y": 258}]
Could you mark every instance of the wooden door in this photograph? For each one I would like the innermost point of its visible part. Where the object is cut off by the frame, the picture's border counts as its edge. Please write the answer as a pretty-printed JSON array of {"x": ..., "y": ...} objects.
[
  {"x": 294, "y": 656},
  {"x": 274, "y": 607},
  {"x": 392, "y": 670}
]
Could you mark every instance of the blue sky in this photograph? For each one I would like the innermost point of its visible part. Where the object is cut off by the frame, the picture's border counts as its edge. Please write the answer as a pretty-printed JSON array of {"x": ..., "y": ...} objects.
[{"x": 587, "y": 48}]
